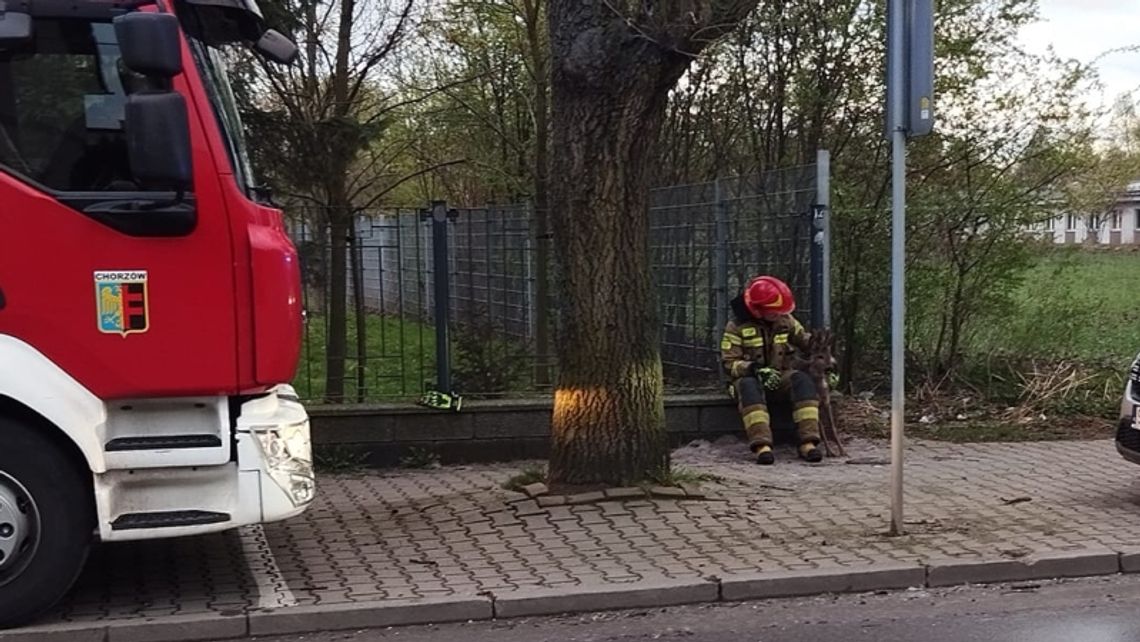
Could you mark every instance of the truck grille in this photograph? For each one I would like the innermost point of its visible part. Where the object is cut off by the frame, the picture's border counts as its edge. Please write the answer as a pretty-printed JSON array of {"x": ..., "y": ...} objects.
[{"x": 1127, "y": 436}]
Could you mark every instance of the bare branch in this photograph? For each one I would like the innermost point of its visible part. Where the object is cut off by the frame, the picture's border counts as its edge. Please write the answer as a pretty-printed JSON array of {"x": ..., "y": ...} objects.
[{"x": 427, "y": 170}]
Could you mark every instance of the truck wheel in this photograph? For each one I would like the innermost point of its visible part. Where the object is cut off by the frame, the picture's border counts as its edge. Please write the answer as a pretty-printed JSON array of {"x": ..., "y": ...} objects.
[{"x": 46, "y": 523}]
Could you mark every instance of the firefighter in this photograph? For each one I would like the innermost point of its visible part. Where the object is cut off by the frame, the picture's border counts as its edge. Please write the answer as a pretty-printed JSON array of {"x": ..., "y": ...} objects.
[{"x": 757, "y": 353}]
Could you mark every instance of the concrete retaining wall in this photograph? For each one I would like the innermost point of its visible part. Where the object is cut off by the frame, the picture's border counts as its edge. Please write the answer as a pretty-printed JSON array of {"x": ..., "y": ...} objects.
[{"x": 487, "y": 431}]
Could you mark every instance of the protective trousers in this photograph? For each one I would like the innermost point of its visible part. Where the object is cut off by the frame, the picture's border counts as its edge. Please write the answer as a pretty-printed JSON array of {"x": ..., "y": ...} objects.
[{"x": 752, "y": 401}]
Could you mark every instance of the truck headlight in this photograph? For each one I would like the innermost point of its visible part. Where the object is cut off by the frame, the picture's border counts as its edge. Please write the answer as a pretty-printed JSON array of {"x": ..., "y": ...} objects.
[{"x": 289, "y": 460}]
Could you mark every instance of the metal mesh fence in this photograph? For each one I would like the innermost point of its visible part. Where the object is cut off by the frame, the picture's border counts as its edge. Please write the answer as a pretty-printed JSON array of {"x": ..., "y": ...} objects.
[{"x": 706, "y": 240}]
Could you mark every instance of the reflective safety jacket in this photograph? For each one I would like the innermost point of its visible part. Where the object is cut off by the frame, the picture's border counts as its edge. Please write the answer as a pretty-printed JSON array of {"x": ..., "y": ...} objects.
[{"x": 748, "y": 340}]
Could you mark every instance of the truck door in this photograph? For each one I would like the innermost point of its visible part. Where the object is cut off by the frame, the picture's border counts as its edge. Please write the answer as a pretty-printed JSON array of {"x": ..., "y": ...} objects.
[{"x": 129, "y": 288}]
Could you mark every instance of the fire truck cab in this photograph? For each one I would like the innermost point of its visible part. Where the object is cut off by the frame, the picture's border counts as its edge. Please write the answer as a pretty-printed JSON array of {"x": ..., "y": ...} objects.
[{"x": 150, "y": 303}]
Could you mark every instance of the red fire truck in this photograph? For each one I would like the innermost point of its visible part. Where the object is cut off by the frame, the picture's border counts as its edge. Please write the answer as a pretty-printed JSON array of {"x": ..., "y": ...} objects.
[{"x": 150, "y": 311}]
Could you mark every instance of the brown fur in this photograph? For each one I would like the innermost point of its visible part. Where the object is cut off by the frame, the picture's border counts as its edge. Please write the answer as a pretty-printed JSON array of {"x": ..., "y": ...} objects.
[{"x": 819, "y": 360}]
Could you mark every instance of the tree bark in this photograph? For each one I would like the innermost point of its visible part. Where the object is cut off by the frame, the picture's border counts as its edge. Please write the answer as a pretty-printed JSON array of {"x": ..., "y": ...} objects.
[
  {"x": 540, "y": 65},
  {"x": 610, "y": 80},
  {"x": 609, "y": 406},
  {"x": 613, "y": 64},
  {"x": 340, "y": 216}
]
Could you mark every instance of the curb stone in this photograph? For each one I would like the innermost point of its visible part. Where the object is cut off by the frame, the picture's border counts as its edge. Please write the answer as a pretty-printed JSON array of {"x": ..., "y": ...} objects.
[
  {"x": 369, "y": 615},
  {"x": 1057, "y": 564},
  {"x": 557, "y": 601},
  {"x": 1130, "y": 560},
  {"x": 831, "y": 580},
  {"x": 580, "y": 599},
  {"x": 57, "y": 633},
  {"x": 180, "y": 628}
]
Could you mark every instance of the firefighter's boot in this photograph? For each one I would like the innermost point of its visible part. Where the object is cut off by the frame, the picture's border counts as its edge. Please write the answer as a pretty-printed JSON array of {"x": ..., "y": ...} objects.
[
  {"x": 764, "y": 456},
  {"x": 806, "y": 416},
  {"x": 811, "y": 453},
  {"x": 753, "y": 408}
]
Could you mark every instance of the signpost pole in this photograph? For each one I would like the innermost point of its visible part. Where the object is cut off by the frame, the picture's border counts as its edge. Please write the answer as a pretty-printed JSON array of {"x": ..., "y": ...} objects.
[
  {"x": 910, "y": 113},
  {"x": 897, "y": 113}
]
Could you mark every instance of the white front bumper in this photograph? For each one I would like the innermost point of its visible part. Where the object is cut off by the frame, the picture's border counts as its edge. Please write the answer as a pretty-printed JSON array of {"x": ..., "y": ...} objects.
[
  {"x": 271, "y": 480},
  {"x": 274, "y": 441}
]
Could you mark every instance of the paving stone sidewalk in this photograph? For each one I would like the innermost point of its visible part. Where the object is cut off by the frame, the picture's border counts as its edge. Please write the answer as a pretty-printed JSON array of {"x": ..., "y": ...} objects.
[{"x": 455, "y": 532}]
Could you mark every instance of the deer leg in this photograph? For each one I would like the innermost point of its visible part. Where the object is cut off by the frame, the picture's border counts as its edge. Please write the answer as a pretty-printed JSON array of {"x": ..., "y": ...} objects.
[
  {"x": 826, "y": 434},
  {"x": 833, "y": 445},
  {"x": 830, "y": 431}
]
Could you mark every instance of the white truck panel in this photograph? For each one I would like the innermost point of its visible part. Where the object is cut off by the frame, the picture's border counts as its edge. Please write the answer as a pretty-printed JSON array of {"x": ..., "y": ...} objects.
[{"x": 32, "y": 379}]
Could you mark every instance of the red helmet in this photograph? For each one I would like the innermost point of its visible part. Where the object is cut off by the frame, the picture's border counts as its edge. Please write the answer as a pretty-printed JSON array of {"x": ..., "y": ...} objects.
[{"x": 768, "y": 295}]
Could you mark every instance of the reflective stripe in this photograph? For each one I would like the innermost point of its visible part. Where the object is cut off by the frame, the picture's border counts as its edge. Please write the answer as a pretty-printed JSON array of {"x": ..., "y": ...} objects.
[
  {"x": 748, "y": 332},
  {"x": 805, "y": 414},
  {"x": 726, "y": 345},
  {"x": 732, "y": 339},
  {"x": 754, "y": 343},
  {"x": 781, "y": 338},
  {"x": 756, "y": 417}
]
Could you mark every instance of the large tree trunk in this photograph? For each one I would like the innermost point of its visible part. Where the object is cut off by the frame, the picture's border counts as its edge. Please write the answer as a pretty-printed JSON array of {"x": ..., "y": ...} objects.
[
  {"x": 609, "y": 413},
  {"x": 613, "y": 64},
  {"x": 539, "y": 64},
  {"x": 340, "y": 215}
]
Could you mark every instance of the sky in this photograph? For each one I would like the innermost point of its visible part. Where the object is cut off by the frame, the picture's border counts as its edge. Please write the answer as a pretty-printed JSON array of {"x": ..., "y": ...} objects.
[{"x": 1084, "y": 30}]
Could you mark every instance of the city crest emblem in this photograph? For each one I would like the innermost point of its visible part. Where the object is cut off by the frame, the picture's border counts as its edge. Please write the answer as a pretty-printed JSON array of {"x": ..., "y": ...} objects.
[{"x": 122, "y": 301}]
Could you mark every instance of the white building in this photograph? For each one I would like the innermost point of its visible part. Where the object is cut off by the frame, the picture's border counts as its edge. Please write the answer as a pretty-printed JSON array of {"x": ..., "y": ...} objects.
[{"x": 1121, "y": 226}]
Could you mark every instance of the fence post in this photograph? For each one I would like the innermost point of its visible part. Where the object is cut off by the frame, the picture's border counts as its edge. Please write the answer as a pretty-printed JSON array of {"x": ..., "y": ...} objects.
[
  {"x": 821, "y": 243},
  {"x": 441, "y": 276},
  {"x": 720, "y": 257}
]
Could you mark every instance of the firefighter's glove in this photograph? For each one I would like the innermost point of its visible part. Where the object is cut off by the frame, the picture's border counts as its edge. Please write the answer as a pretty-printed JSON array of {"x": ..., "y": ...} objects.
[
  {"x": 769, "y": 377},
  {"x": 833, "y": 380},
  {"x": 442, "y": 401}
]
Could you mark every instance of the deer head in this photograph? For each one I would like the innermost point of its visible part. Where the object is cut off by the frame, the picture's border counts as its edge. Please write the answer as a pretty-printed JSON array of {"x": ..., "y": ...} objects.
[{"x": 819, "y": 359}]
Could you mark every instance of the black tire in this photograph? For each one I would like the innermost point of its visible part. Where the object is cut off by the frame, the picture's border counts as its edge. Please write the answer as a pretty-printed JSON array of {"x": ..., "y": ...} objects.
[{"x": 61, "y": 497}]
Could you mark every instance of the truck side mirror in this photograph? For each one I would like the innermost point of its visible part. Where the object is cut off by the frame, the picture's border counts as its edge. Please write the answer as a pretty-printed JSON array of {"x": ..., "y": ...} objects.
[
  {"x": 158, "y": 140},
  {"x": 150, "y": 43},
  {"x": 15, "y": 29},
  {"x": 156, "y": 120}
]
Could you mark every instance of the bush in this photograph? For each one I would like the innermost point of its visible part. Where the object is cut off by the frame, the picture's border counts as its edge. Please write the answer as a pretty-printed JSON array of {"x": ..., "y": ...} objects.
[{"x": 487, "y": 363}]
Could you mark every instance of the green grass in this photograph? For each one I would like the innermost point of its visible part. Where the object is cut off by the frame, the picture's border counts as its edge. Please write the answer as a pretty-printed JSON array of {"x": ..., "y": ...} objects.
[
  {"x": 528, "y": 476},
  {"x": 401, "y": 356},
  {"x": 677, "y": 475},
  {"x": 1075, "y": 304},
  {"x": 419, "y": 458},
  {"x": 338, "y": 459}
]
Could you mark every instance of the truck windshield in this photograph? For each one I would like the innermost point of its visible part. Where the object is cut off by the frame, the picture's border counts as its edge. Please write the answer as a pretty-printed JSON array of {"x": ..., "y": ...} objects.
[
  {"x": 214, "y": 76},
  {"x": 61, "y": 108}
]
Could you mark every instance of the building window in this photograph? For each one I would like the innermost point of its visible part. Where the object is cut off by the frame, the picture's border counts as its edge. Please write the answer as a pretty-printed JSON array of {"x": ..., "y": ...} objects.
[
  {"x": 1051, "y": 224},
  {"x": 1117, "y": 220},
  {"x": 1136, "y": 218},
  {"x": 1071, "y": 222}
]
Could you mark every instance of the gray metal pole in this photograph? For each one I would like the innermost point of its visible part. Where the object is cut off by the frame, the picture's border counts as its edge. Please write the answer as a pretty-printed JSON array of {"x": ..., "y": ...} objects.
[
  {"x": 441, "y": 273},
  {"x": 897, "y": 97},
  {"x": 823, "y": 197},
  {"x": 817, "y": 295},
  {"x": 720, "y": 258}
]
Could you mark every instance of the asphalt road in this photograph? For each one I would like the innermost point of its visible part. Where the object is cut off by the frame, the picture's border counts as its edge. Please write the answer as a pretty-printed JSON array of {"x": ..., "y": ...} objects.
[{"x": 1094, "y": 610}]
